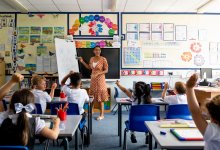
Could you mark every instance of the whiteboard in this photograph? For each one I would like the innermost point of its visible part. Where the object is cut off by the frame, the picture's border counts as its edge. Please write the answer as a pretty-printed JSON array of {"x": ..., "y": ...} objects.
[{"x": 66, "y": 57}]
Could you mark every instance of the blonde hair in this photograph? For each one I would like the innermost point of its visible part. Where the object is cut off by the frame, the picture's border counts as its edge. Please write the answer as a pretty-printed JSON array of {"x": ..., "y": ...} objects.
[{"x": 36, "y": 79}]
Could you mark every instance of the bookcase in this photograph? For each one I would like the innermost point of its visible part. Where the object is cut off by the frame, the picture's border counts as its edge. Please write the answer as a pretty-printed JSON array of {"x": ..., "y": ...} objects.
[{"x": 50, "y": 79}]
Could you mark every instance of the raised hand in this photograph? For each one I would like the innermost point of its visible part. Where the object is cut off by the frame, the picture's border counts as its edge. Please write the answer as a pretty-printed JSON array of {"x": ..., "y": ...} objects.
[
  {"x": 166, "y": 86},
  {"x": 17, "y": 77},
  {"x": 192, "y": 81},
  {"x": 54, "y": 86}
]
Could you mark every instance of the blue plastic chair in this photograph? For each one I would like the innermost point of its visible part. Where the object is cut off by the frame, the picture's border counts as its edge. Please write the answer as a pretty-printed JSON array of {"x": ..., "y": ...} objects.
[
  {"x": 38, "y": 109},
  {"x": 4, "y": 105},
  {"x": 73, "y": 110},
  {"x": 178, "y": 111},
  {"x": 137, "y": 116},
  {"x": 13, "y": 147}
]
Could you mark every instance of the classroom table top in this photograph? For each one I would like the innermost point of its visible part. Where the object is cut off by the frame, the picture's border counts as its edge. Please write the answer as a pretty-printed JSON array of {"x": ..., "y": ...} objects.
[
  {"x": 156, "y": 101},
  {"x": 168, "y": 141},
  {"x": 71, "y": 125}
]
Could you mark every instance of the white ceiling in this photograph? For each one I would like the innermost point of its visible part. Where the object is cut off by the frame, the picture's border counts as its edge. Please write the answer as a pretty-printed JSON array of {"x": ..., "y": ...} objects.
[{"x": 106, "y": 5}]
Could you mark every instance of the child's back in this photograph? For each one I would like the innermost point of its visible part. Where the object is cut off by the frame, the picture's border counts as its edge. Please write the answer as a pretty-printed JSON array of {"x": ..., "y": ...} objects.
[{"x": 75, "y": 94}]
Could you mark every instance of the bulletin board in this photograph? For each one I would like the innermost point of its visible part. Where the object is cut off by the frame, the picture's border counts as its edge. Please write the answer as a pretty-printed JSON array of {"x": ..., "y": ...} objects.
[
  {"x": 96, "y": 24},
  {"x": 35, "y": 41},
  {"x": 170, "y": 41},
  {"x": 7, "y": 23}
]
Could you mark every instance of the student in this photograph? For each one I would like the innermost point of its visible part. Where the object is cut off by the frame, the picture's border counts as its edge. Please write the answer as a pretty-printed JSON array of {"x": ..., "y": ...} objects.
[
  {"x": 141, "y": 95},
  {"x": 38, "y": 87},
  {"x": 210, "y": 131},
  {"x": 179, "y": 90},
  {"x": 74, "y": 93},
  {"x": 17, "y": 126}
]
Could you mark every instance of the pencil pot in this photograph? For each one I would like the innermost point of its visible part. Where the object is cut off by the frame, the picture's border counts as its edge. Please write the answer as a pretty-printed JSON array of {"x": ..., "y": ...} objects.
[{"x": 62, "y": 115}]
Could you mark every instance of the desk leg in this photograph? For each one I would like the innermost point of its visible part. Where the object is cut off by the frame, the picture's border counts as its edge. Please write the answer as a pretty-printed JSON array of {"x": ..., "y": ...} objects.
[
  {"x": 76, "y": 140},
  {"x": 66, "y": 143},
  {"x": 90, "y": 118},
  {"x": 150, "y": 141},
  {"x": 47, "y": 144},
  {"x": 119, "y": 123}
]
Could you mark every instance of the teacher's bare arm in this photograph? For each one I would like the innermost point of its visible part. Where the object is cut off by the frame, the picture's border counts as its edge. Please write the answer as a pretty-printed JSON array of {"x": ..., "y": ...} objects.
[{"x": 84, "y": 63}]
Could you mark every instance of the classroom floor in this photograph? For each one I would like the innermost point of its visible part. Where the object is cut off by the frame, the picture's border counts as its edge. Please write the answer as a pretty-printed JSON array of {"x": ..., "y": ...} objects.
[{"x": 105, "y": 137}]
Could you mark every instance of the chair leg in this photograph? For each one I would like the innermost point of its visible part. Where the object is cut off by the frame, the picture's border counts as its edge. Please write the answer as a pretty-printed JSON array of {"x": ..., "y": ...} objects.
[
  {"x": 114, "y": 107},
  {"x": 125, "y": 139},
  {"x": 82, "y": 138},
  {"x": 155, "y": 145},
  {"x": 115, "y": 112}
]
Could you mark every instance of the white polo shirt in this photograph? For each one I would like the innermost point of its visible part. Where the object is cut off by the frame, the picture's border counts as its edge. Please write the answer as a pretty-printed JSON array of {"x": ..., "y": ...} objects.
[
  {"x": 78, "y": 96},
  {"x": 42, "y": 98},
  {"x": 176, "y": 99},
  {"x": 212, "y": 137},
  {"x": 40, "y": 124}
]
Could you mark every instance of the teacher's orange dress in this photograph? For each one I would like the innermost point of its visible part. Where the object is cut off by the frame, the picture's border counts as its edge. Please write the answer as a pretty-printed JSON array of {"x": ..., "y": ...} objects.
[{"x": 98, "y": 86}]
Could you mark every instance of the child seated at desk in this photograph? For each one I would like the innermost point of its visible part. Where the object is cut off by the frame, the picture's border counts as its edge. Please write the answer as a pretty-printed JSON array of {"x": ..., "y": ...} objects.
[
  {"x": 141, "y": 95},
  {"x": 38, "y": 87},
  {"x": 210, "y": 131},
  {"x": 74, "y": 93},
  {"x": 179, "y": 90},
  {"x": 17, "y": 126}
]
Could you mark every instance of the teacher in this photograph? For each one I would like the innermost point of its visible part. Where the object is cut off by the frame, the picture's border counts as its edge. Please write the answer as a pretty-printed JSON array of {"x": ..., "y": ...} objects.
[{"x": 98, "y": 89}]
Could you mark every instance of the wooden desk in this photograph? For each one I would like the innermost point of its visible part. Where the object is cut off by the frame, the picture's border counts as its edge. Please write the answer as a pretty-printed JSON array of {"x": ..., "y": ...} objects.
[
  {"x": 204, "y": 94},
  {"x": 168, "y": 141}
]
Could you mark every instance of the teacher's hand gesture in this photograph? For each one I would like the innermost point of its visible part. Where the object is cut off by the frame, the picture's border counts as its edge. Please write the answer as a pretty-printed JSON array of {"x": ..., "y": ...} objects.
[{"x": 81, "y": 59}]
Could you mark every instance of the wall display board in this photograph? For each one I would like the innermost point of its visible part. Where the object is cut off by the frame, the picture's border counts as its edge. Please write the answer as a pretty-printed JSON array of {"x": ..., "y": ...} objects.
[{"x": 171, "y": 41}]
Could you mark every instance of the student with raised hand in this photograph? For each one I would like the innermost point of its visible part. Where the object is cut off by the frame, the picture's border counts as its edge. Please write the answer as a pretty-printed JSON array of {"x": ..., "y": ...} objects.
[
  {"x": 74, "y": 93},
  {"x": 179, "y": 90},
  {"x": 210, "y": 131},
  {"x": 17, "y": 126},
  {"x": 141, "y": 95},
  {"x": 38, "y": 84}
]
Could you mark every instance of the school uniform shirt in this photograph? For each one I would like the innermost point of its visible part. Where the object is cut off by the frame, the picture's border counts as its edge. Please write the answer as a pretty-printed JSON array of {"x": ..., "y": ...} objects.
[
  {"x": 212, "y": 137},
  {"x": 78, "y": 96},
  {"x": 134, "y": 100},
  {"x": 40, "y": 124},
  {"x": 176, "y": 99},
  {"x": 41, "y": 98}
]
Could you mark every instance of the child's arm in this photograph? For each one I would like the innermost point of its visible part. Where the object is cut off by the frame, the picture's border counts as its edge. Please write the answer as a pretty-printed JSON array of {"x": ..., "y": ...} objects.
[
  {"x": 66, "y": 77},
  {"x": 126, "y": 91},
  {"x": 166, "y": 86},
  {"x": 52, "y": 133},
  {"x": 200, "y": 122},
  {"x": 6, "y": 88},
  {"x": 84, "y": 63},
  {"x": 53, "y": 87}
]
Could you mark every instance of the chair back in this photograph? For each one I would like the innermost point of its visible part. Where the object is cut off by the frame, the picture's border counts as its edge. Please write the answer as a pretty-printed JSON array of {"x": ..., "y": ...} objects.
[
  {"x": 178, "y": 111},
  {"x": 141, "y": 113},
  {"x": 73, "y": 108},
  {"x": 4, "y": 105},
  {"x": 13, "y": 147},
  {"x": 38, "y": 109},
  {"x": 116, "y": 93}
]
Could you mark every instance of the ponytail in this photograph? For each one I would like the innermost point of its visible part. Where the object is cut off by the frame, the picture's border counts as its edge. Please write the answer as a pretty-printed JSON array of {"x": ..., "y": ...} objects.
[
  {"x": 23, "y": 127},
  {"x": 142, "y": 92}
]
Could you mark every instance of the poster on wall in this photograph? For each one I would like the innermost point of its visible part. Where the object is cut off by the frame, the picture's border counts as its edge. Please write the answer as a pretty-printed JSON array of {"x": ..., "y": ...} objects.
[
  {"x": 132, "y": 27},
  {"x": 46, "y": 39},
  {"x": 132, "y": 55},
  {"x": 59, "y": 30},
  {"x": 181, "y": 32},
  {"x": 47, "y": 30},
  {"x": 156, "y": 36},
  {"x": 168, "y": 36},
  {"x": 144, "y": 36},
  {"x": 131, "y": 36},
  {"x": 144, "y": 27},
  {"x": 156, "y": 27},
  {"x": 168, "y": 27},
  {"x": 23, "y": 30},
  {"x": 35, "y": 30},
  {"x": 23, "y": 38},
  {"x": 35, "y": 38}
]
